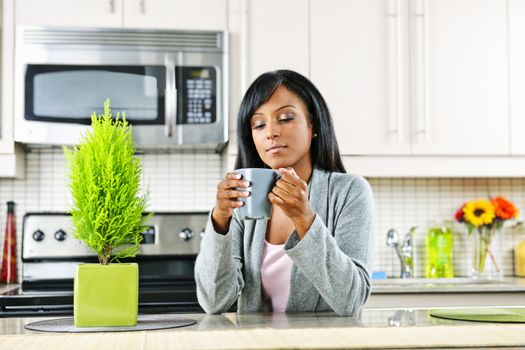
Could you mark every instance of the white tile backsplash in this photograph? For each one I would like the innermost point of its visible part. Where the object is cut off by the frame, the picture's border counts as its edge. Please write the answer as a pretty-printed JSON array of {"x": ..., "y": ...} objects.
[
  {"x": 177, "y": 182},
  {"x": 187, "y": 182},
  {"x": 402, "y": 203}
]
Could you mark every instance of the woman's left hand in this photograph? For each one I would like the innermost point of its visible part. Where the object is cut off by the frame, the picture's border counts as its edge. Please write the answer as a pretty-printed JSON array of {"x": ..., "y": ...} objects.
[{"x": 290, "y": 193}]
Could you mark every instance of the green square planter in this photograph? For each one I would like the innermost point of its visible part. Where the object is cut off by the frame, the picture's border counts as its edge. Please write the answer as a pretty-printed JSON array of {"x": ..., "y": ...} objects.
[{"x": 106, "y": 295}]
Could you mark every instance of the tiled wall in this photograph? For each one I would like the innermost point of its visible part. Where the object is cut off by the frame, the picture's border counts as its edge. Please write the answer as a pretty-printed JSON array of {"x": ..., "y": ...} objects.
[
  {"x": 175, "y": 182},
  {"x": 187, "y": 182},
  {"x": 407, "y": 202}
]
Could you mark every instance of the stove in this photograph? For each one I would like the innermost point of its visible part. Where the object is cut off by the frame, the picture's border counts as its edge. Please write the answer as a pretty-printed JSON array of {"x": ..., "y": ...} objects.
[{"x": 50, "y": 255}]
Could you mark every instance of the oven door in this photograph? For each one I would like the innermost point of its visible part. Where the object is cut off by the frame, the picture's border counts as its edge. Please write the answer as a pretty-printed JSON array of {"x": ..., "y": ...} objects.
[{"x": 56, "y": 298}]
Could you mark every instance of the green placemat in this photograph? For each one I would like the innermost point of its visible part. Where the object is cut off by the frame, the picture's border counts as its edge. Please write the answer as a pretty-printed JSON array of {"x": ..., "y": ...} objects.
[{"x": 513, "y": 315}]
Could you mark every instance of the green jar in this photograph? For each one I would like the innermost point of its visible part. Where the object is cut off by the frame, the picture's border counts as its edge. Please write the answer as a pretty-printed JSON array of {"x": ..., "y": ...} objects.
[{"x": 439, "y": 246}]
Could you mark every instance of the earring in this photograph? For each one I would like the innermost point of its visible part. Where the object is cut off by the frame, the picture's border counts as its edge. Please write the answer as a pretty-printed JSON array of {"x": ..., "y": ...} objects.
[{"x": 315, "y": 134}]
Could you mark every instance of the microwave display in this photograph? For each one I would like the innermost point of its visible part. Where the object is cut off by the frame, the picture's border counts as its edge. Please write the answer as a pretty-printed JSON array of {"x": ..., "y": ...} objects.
[{"x": 196, "y": 88}]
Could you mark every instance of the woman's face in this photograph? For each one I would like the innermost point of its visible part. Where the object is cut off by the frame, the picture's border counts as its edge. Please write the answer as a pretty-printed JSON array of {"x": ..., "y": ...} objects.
[{"x": 282, "y": 131}]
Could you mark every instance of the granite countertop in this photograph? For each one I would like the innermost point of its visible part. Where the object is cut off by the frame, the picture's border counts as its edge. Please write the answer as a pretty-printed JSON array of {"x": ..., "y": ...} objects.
[
  {"x": 372, "y": 329},
  {"x": 367, "y": 318},
  {"x": 447, "y": 285}
]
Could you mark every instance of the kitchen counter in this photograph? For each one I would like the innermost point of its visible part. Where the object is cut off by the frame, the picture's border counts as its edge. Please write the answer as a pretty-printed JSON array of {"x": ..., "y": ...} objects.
[
  {"x": 6, "y": 287},
  {"x": 372, "y": 329},
  {"x": 446, "y": 292},
  {"x": 446, "y": 285}
]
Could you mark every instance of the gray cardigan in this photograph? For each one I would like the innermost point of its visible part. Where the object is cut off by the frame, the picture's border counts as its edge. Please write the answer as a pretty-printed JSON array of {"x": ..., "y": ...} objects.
[{"x": 330, "y": 264}]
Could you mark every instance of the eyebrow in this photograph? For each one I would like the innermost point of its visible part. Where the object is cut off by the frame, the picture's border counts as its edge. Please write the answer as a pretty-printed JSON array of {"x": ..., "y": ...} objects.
[{"x": 278, "y": 109}]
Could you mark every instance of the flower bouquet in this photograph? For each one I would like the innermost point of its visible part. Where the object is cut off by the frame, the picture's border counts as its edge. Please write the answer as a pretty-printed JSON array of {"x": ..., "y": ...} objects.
[{"x": 486, "y": 217}]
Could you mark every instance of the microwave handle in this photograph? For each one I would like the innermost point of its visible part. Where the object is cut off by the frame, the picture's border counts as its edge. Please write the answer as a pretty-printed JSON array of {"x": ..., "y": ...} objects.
[{"x": 171, "y": 112}]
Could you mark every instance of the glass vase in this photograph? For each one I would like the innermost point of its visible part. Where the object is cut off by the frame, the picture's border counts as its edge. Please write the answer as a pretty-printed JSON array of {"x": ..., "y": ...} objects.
[{"x": 487, "y": 262}]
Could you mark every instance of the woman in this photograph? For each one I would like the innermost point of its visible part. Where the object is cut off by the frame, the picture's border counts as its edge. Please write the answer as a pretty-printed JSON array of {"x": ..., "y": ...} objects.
[{"x": 314, "y": 252}]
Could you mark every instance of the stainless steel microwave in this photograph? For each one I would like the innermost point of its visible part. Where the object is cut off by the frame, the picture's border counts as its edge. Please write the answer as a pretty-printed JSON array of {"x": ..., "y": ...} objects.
[{"x": 172, "y": 85}]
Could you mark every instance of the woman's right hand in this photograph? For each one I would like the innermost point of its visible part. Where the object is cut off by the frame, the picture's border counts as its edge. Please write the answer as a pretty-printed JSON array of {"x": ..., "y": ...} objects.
[{"x": 228, "y": 194}]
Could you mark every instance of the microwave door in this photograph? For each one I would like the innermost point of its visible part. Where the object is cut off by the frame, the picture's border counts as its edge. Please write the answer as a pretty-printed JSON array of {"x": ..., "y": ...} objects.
[{"x": 59, "y": 99}]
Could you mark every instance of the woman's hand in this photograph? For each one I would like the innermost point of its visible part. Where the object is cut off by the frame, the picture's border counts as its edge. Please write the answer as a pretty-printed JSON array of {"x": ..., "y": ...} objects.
[
  {"x": 290, "y": 193},
  {"x": 226, "y": 200}
]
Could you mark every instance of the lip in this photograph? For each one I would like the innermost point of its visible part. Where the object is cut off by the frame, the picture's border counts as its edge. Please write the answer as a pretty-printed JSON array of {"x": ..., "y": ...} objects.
[{"x": 275, "y": 149}]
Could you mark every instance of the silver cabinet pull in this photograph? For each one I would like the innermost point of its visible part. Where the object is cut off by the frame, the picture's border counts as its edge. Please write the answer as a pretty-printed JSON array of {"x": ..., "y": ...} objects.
[
  {"x": 143, "y": 6},
  {"x": 394, "y": 31},
  {"x": 111, "y": 6},
  {"x": 421, "y": 60}
]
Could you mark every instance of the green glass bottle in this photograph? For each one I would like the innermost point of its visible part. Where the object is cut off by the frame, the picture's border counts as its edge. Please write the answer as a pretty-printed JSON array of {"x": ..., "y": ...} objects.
[{"x": 439, "y": 246}]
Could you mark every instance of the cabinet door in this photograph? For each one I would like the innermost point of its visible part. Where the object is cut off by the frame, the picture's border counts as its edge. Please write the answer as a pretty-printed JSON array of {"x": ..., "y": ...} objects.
[
  {"x": 460, "y": 77},
  {"x": 517, "y": 75},
  {"x": 359, "y": 62},
  {"x": 83, "y": 13},
  {"x": 277, "y": 36},
  {"x": 176, "y": 14}
]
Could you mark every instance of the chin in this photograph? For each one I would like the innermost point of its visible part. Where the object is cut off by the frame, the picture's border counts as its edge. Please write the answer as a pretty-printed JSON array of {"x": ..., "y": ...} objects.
[{"x": 276, "y": 164}]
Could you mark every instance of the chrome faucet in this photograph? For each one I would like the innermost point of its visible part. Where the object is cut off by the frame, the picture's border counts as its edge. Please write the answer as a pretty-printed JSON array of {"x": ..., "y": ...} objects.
[{"x": 405, "y": 252}]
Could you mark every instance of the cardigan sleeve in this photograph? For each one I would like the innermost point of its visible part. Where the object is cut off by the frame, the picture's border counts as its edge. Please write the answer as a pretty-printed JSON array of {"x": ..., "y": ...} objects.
[
  {"x": 337, "y": 262},
  {"x": 218, "y": 267}
]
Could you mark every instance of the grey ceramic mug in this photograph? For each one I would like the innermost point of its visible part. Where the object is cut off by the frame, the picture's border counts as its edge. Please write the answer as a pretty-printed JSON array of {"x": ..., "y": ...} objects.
[{"x": 257, "y": 206}]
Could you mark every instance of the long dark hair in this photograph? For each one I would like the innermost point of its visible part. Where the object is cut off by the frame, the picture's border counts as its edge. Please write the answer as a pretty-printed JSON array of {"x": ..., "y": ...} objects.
[{"x": 324, "y": 149}]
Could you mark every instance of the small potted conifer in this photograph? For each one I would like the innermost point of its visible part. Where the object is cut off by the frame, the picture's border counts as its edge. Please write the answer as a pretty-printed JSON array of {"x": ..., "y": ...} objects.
[{"x": 107, "y": 208}]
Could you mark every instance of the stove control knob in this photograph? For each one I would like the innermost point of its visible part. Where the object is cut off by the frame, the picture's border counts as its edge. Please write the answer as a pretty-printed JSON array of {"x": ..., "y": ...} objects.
[
  {"x": 186, "y": 234},
  {"x": 203, "y": 232},
  {"x": 38, "y": 235},
  {"x": 60, "y": 235}
]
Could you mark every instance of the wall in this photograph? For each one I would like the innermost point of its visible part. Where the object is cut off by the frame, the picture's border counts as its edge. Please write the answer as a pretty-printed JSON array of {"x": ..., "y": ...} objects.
[
  {"x": 175, "y": 182},
  {"x": 403, "y": 203},
  {"x": 187, "y": 182}
]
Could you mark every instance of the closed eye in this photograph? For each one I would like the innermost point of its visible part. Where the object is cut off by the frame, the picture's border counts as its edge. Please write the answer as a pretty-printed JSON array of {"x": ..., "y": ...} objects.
[{"x": 286, "y": 117}]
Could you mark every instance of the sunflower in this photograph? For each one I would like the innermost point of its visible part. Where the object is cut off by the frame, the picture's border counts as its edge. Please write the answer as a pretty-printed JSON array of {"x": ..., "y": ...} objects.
[{"x": 479, "y": 212}]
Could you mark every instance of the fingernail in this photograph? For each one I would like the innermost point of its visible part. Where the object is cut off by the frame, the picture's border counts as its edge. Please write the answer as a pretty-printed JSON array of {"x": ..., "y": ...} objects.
[
  {"x": 237, "y": 176},
  {"x": 246, "y": 183}
]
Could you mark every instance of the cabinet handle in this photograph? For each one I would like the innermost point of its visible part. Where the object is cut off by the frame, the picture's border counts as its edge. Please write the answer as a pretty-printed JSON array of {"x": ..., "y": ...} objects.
[
  {"x": 421, "y": 59},
  {"x": 143, "y": 6},
  {"x": 111, "y": 6},
  {"x": 395, "y": 73}
]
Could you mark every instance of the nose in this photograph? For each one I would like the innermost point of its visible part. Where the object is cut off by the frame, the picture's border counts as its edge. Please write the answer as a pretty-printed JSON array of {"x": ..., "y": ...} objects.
[{"x": 272, "y": 131}]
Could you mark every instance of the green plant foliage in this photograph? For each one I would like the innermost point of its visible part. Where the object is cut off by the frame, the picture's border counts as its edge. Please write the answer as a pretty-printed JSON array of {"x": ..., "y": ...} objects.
[{"x": 104, "y": 179}]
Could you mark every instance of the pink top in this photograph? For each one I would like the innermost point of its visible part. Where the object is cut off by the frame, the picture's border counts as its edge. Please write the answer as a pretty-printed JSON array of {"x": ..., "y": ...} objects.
[{"x": 276, "y": 268}]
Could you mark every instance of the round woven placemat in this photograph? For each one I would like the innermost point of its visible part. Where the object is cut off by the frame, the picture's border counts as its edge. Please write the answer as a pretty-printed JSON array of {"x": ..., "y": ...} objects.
[
  {"x": 506, "y": 315},
  {"x": 145, "y": 322}
]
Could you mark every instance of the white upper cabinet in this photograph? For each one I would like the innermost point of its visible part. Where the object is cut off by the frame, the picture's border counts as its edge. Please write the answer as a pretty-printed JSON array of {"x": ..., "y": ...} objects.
[
  {"x": 460, "y": 77},
  {"x": 176, "y": 14},
  {"x": 276, "y": 36},
  {"x": 152, "y": 14},
  {"x": 421, "y": 77},
  {"x": 517, "y": 75},
  {"x": 12, "y": 158},
  {"x": 78, "y": 13},
  {"x": 359, "y": 63}
]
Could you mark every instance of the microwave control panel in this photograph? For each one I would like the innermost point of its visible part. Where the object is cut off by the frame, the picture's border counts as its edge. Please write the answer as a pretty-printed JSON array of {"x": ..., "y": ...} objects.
[{"x": 196, "y": 95}]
